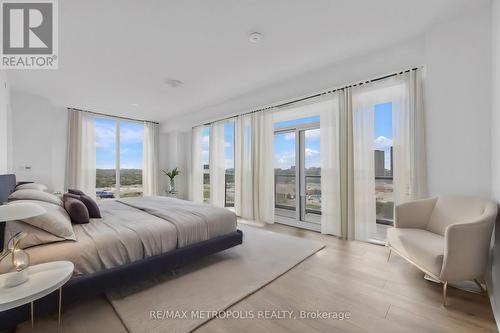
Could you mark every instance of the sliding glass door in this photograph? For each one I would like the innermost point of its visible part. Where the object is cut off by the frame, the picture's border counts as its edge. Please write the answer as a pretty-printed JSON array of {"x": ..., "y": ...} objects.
[
  {"x": 383, "y": 159},
  {"x": 297, "y": 173},
  {"x": 285, "y": 184},
  {"x": 310, "y": 173}
]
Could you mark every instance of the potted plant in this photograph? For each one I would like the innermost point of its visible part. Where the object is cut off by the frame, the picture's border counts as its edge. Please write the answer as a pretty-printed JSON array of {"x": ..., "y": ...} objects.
[{"x": 171, "y": 174}]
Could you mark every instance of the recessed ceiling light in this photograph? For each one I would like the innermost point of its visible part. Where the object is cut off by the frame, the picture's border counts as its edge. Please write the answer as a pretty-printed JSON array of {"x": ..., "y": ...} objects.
[
  {"x": 174, "y": 83},
  {"x": 255, "y": 37},
  {"x": 134, "y": 104}
]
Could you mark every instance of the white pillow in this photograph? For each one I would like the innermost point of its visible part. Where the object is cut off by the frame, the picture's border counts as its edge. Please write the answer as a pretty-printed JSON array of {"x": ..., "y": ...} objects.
[
  {"x": 37, "y": 195},
  {"x": 32, "y": 186},
  {"x": 56, "y": 220}
]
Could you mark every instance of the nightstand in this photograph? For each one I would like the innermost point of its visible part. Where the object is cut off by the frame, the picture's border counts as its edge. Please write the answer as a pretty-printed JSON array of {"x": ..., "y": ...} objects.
[{"x": 43, "y": 280}]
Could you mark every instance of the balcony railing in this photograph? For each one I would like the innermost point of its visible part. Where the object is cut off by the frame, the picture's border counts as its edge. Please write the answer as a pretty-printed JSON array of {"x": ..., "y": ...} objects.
[{"x": 281, "y": 198}]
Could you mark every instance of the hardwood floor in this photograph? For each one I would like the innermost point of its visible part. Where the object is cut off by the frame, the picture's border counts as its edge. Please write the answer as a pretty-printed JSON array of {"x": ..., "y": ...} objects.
[
  {"x": 345, "y": 276},
  {"x": 355, "y": 276}
]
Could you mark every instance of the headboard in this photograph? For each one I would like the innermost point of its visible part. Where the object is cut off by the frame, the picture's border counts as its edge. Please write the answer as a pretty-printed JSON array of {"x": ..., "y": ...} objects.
[{"x": 7, "y": 186}]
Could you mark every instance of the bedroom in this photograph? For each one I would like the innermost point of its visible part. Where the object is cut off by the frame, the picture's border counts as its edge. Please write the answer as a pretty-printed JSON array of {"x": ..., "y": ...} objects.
[{"x": 306, "y": 135}]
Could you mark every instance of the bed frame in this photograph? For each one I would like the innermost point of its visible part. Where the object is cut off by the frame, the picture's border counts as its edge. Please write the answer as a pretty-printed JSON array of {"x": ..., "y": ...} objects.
[{"x": 85, "y": 286}]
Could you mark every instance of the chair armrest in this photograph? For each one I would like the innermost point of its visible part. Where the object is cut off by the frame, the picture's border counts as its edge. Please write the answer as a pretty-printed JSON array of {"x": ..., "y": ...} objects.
[
  {"x": 414, "y": 214},
  {"x": 466, "y": 250}
]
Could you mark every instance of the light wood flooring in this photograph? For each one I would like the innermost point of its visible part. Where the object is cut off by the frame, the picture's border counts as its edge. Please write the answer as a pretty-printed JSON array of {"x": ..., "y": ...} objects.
[{"x": 345, "y": 276}]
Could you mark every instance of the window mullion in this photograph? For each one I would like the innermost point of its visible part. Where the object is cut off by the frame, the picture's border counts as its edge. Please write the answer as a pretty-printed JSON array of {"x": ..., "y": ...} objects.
[{"x": 117, "y": 159}]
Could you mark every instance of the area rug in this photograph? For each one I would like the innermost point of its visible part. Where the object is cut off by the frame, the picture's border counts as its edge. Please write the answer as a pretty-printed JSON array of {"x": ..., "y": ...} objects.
[{"x": 183, "y": 301}]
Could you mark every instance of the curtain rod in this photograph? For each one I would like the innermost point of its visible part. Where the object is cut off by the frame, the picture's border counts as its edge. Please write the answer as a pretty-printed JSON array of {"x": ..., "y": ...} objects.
[
  {"x": 119, "y": 117},
  {"x": 313, "y": 96}
]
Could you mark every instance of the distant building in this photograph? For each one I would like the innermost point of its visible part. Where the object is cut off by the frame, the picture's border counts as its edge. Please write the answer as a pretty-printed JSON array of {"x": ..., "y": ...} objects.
[{"x": 379, "y": 163}]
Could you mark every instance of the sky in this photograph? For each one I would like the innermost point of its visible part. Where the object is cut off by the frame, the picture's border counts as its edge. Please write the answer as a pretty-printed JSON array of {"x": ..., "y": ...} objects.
[
  {"x": 284, "y": 144},
  {"x": 131, "y": 140},
  {"x": 383, "y": 131}
]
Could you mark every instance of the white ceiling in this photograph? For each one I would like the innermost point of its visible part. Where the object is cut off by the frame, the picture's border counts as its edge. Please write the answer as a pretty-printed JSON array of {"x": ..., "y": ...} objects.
[{"x": 117, "y": 53}]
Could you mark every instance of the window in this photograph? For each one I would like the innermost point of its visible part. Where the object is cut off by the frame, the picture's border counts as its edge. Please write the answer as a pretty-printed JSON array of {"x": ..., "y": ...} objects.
[
  {"x": 297, "y": 172},
  {"x": 229, "y": 162},
  {"x": 383, "y": 169},
  {"x": 205, "y": 150},
  {"x": 131, "y": 144},
  {"x": 119, "y": 147}
]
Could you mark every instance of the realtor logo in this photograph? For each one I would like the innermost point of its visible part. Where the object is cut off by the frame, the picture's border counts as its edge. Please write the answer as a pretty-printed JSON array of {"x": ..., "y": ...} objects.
[{"x": 29, "y": 34}]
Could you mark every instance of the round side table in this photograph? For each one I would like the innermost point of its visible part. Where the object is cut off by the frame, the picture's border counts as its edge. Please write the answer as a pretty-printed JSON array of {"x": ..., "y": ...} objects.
[{"x": 43, "y": 279}]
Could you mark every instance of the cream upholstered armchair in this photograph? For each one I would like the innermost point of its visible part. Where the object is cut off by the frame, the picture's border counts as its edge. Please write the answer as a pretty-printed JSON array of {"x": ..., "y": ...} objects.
[{"x": 447, "y": 237}]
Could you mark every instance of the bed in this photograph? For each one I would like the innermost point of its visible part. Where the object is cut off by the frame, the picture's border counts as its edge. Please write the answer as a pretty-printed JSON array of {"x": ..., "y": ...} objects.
[{"x": 136, "y": 238}]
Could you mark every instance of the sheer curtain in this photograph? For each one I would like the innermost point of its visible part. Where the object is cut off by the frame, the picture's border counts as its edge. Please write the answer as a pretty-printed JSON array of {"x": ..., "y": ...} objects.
[
  {"x": 363, "y": 116},
  {"x": 150, "y": 156},
  {"x": 330, "y": 167},
  {"x": 346, "y": 163},
  {"x": 243, "y": 196},
  {"x": 263, "y": 166},
  {"x": 217, "y": 164},
  {"x": 196, "y": 193},
  {"x": 410, "y": 173},
  {"x": 81, "y": 163}
]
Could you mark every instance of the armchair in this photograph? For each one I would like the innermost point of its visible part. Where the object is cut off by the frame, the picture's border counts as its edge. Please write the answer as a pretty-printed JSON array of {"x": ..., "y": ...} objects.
[{"x": 447, "y": 237}]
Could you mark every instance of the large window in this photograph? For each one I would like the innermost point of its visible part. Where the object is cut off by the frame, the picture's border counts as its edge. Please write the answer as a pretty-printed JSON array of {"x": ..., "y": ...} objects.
[
  {"x": 229, "y": 162},
  {"x": 205, "y": 151},
  {"x": 119, "y": 147},
  {"x": 383, "y": 169},
  {"x": 297, "y": 172}
]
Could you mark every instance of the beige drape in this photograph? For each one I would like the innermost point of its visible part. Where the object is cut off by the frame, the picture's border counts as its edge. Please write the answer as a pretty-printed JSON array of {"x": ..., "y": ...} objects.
[
  {"x": 254, "y": 182},
  {"x": 81, "y": 152},
  {"x": 196, "y": 192},
  {"x": 243, "y": 201},
  {"x": 150, "y": 157},
  {"x": 217, "y": 164},
  {"x": 346, "y": 164},
  {"x": 410, "y": 164}
]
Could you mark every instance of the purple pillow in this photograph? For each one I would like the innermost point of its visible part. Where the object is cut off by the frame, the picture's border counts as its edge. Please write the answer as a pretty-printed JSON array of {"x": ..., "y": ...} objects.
[
  {"x": 76, "y": 209},
  {"x": 74, "y": 191},
  {"x": 92, "y": 207}
]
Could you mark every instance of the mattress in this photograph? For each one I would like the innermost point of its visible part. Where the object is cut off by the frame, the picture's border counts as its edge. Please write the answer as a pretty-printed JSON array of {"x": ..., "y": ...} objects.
[{"x": 193, "y": 222}]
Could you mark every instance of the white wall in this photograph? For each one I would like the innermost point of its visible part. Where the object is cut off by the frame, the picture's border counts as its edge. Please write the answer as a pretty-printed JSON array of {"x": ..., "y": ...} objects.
[
  {"x": 5, "y": 125},
  {"x": 379, "y": 62},
  {"x": 39, "y": 140},
  {"x": 458, "y": 104},
  {"x": 174, "y": 153},
  {"x": 494, "y": 276}
]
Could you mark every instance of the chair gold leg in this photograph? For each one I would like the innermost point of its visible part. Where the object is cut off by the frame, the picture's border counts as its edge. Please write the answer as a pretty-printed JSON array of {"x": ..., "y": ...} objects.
[
  {"x": 60, "y": 310},
  {"x": 445, "y": 293},
  {"x": 389, "y": 256},
  {"x": 480, "y": 286},
  {"x": 32, "y": 316}
]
